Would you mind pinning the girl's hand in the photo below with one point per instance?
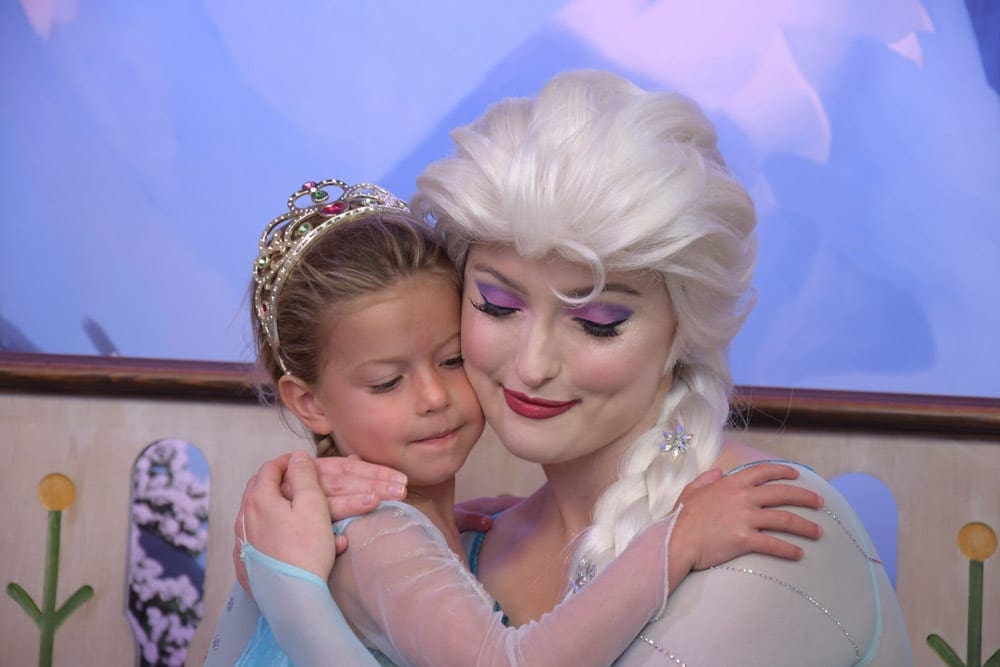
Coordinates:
(726, 516)
(284, 514)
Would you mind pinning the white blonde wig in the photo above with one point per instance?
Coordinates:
(621, 179)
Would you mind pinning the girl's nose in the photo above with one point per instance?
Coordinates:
(432, 393)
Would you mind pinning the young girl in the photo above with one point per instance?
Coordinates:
(356, 313)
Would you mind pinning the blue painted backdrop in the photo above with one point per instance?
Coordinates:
(146, 144)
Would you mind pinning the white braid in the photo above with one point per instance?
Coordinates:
(650, 481)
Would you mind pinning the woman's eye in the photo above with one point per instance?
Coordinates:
(496, 302)
(492, 309)
(385, 386)
(454, 362)
(600, 330)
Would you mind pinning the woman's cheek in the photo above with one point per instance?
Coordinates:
(605, 369)
(481, 343)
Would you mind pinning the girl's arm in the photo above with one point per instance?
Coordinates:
(835, 606)
(408, 595)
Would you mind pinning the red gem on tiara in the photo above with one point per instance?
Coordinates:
(309, 185)
(335, 208)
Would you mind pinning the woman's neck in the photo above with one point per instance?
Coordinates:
(573, 487)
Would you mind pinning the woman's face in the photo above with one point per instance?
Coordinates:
(558, 382)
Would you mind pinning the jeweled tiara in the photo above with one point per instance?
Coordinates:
(289, 236)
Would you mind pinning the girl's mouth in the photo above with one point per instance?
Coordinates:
(436, 438)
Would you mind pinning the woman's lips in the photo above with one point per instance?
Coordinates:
(535, 408)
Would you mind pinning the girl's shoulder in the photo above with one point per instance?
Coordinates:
(390, 515)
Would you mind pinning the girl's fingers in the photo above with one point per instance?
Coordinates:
(788, 522)
(770, 545)
(775, 495)
(303, 481)
(760, 473)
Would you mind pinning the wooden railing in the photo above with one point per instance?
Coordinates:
(757, 407)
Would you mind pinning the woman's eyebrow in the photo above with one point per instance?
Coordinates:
(608, 287)
(517, 287)
(575, 293)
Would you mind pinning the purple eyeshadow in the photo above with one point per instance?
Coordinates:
(499, 297)
(601, 313)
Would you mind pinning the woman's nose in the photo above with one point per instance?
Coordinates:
(538, 355)
(432, 392)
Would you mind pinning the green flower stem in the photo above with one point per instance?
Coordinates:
(975, 636)
(941, 647)
(82, 594)
(21, 597)
(49, 587)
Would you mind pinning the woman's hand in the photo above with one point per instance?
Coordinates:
(477, 513)
(354, 487)
(725, 517)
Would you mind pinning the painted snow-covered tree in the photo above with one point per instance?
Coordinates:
(169, 533)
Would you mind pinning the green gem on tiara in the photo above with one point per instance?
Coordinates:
(319, 195)
(303, 229)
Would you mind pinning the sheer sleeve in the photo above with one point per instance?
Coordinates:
(834, 607)
(302, 620)
(406, 593)
(234, 629)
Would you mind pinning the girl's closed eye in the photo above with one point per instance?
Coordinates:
(496, 302)
(385, 387)
(601, 320)
(456, 361)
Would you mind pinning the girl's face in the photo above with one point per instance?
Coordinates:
(392, 389)
(558, 382)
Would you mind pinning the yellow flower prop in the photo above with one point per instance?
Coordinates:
(56, 492)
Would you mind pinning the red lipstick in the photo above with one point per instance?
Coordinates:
(535, 408)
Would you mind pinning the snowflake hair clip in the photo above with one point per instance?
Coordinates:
(675, 442)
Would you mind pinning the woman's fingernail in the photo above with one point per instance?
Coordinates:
(397, 490)
(369, 499)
